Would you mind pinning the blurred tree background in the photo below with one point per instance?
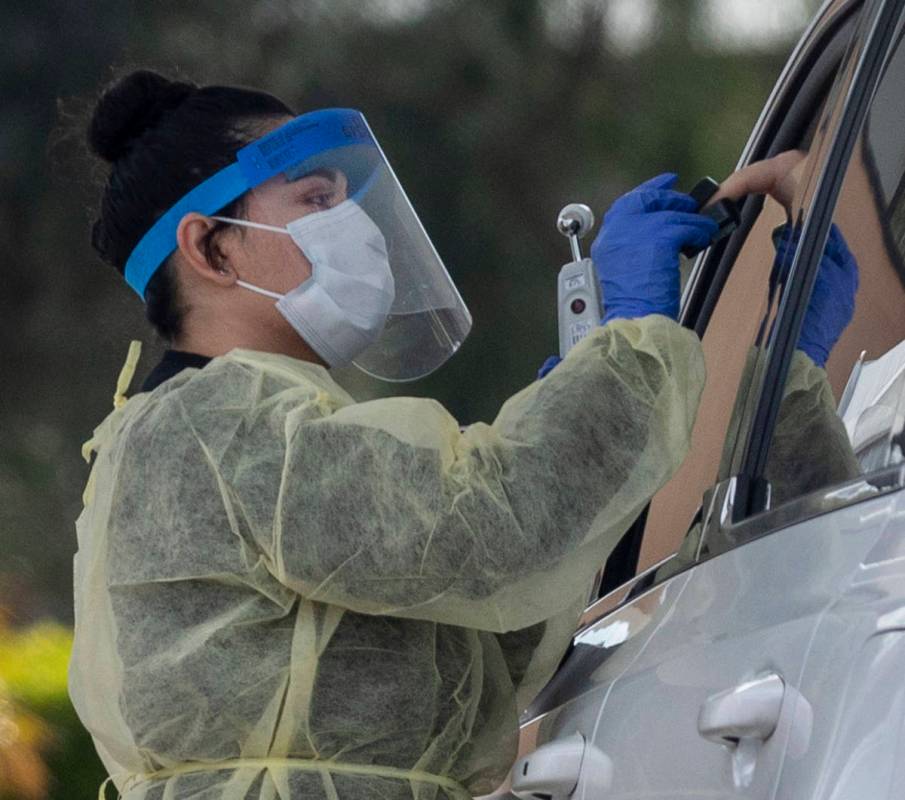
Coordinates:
(495, 113)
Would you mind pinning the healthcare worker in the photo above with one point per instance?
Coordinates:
(279, 592)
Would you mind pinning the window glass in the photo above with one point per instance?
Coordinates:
(844, 399)
(741, 308)
(733, 354)
(744, 310)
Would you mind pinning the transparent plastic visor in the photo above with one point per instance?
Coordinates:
(333, 156)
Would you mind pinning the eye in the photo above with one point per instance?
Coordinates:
(317, 201)
(322, 200)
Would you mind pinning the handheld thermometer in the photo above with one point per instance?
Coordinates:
(578, 291)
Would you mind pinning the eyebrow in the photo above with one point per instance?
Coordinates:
(320, 172)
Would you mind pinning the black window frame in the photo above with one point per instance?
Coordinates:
(739, 506)
(809, 73)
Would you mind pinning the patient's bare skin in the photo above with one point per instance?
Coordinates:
(777, 176)
(810, 448)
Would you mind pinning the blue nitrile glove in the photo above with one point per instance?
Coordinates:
(832, 303)
(547, 366)
(636, 252)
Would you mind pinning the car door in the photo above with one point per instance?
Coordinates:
(692, 685)
(849, 528)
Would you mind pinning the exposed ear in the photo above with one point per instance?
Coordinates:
(192, 238)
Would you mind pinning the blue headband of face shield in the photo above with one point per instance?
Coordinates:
(277, 152)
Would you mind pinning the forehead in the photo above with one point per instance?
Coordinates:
(321, 178)
(332, 156)
(280, 200)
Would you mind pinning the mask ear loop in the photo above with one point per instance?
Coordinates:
(261, 226)
(248, 224)
(258, 290)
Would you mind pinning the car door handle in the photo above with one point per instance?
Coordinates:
(550, 772)
(554, 770)
(749, 711)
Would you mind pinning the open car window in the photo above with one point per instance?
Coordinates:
(729, 295)
(838, 424)
(738, 312)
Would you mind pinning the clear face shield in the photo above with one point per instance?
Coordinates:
(379, 293)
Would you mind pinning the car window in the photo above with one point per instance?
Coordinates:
(729, 296)
(738, 308)
(844, 418)
(731, 343)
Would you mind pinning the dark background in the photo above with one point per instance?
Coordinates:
(494, 113)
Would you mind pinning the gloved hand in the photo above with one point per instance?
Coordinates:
(832, 303)
(636, 252)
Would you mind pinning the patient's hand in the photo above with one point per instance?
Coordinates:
(778, 177)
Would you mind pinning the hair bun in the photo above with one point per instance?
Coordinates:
(129, 107)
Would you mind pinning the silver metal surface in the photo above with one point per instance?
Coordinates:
(550, 771)
(721, 533)
(612, 600)
(575, 221)
(747, 711)
(773, 607)
(742, 719)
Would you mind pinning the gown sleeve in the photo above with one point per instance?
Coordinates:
(387, 507)
(810, 447)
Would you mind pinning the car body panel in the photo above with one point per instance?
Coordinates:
(663, 654)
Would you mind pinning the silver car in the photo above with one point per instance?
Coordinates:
(760, 650)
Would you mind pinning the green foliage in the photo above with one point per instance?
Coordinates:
(33, 663)
(46, 751)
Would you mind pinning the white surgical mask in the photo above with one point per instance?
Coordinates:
(342, 308)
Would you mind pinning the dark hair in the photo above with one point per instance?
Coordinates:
(162, 138)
